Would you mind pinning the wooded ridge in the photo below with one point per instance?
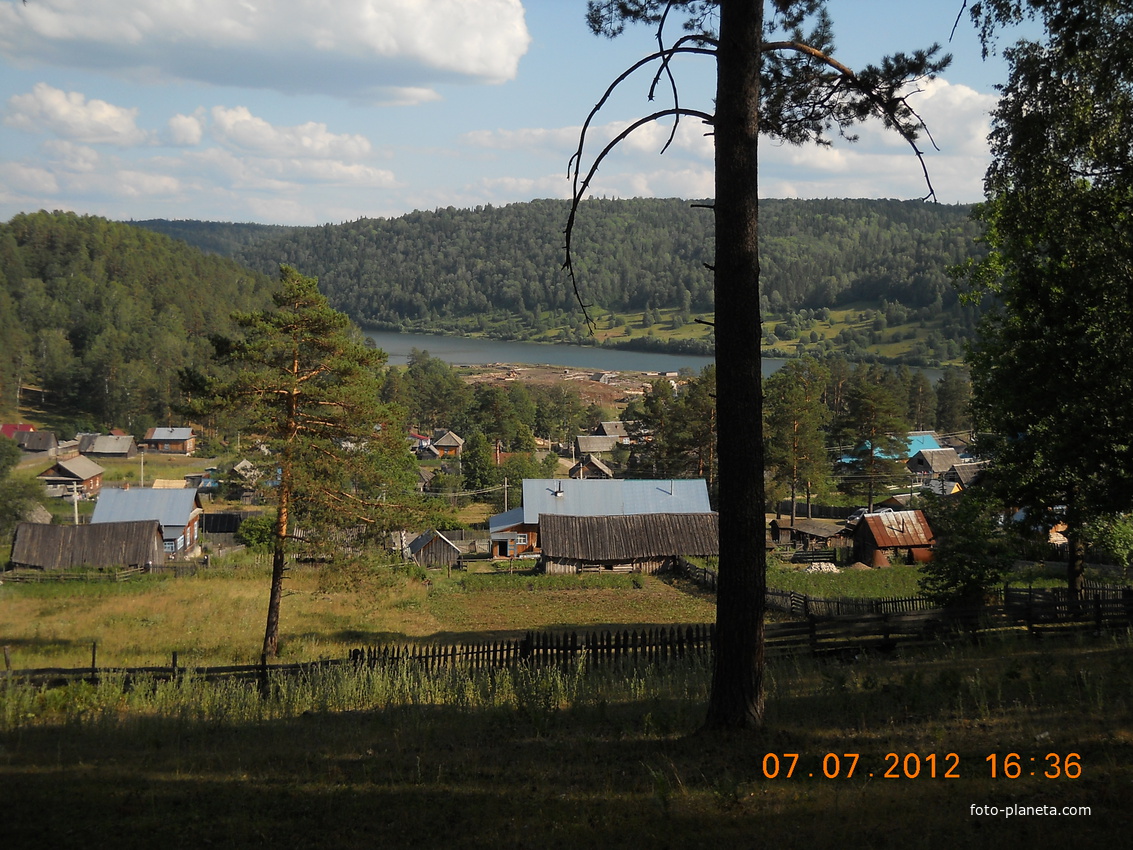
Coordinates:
(492, 265)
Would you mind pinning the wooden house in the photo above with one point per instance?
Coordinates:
(591, 444)
(177, 511)
(932, 462)
(42, 443)
(966, 474)
(516, 533)
(447, 444)
(893, 537)
(76, 474)
(10, 430)
(590, 467)
(105, 546)
(640, 543)
(433, 549)
(614, 428)
(175, 441)
(108, 445)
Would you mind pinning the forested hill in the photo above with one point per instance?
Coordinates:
(429, 268)
(100, 316)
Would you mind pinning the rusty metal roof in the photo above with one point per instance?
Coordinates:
(897, 529)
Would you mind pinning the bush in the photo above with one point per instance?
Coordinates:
(257, 532)
(972, 553)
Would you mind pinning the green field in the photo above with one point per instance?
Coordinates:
(574, 756)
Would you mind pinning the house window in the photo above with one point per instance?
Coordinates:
(521, 540)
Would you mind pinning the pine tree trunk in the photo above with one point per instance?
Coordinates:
(271, 632)
(736, 701)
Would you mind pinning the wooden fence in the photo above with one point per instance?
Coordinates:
(33, 576)
(844, 634)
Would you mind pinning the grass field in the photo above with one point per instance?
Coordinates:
(217, 616)
(565, 757)
(581, 757)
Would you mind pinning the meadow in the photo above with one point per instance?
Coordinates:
(874, 751)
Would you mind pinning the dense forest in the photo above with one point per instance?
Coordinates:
(100, 318)
(431, 269)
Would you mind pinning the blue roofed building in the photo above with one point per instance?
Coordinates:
(178, 512)
(515, 533)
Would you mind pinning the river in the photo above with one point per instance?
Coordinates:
(466, 351)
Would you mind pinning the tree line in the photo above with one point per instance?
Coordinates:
(503, 264)
(829, 426)
(99, 318)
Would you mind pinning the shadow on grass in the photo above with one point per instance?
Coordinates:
(441, 777)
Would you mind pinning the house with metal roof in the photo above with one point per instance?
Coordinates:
(893, 537)
(177, 441)
(178, 511)
(515, 533)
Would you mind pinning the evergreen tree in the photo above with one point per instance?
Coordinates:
(304, 383)
(796, 442)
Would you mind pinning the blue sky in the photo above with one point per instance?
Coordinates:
(311, 111)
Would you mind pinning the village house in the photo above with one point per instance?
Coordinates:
(104, 546)
(590, 467)
(177, 441)
(178, 512)
(641, 543)
(10, 430)
(40, 443)
(74, 475)
(107, 445)
(447, 444)
(893, 537)
(932, 462)
(515, 533)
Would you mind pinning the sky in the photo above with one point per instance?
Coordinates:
(306, 112)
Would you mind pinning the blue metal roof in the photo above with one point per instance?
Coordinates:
(172, 508)
(612, 497)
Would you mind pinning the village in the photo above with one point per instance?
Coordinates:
(587, 519)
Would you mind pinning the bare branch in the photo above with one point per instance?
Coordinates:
(581, 188)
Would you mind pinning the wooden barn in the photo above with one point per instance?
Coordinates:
(896, 537)
(808, 534)
(433, 549)
(640, 543)
(107, 545)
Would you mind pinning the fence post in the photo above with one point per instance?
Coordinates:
(263, 676)
(94, 660)
(174, 665)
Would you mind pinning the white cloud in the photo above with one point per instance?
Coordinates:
(185, 131)
(70, 115)
(72, 157)
(239, 128)
(350, 49)
(29, 180)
